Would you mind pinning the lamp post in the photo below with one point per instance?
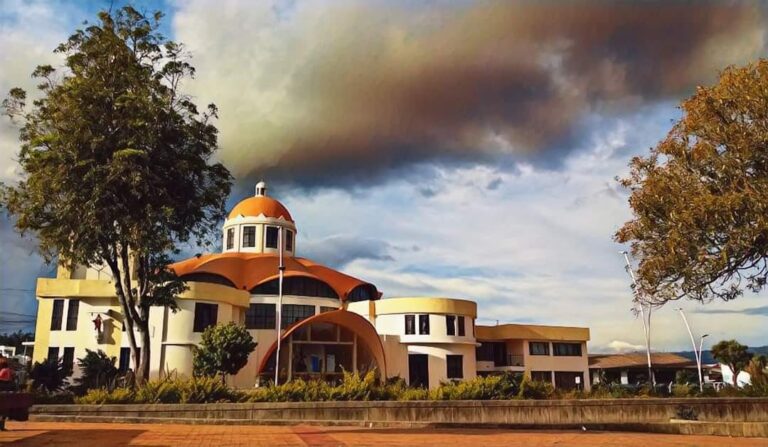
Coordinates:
(279, 313)
(646, 325)
(696, 353)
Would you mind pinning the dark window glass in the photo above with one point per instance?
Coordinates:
(205, 315)
(568, 380)
(541, 376)
(410, 324)
(249, 236)
(260, 316)
(363, 292)
(462, 329)
(57, 315)
(72, 311)
(324, 309)
(288, 240)
(538, 348)
(53, 353)
(424, 324)
(209, 278)
(271, 237)
(230, 238)
(297, 286)
(125, 359)
(450, 324)
(567, 349)
(68, 359)
(455, 364)
(293, 313)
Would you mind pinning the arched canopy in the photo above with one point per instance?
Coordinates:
(366, 335)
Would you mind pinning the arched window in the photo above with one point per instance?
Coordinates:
(298, 286)
(211, 278)
(363, 292)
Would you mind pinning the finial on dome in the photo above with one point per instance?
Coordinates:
(261, 188)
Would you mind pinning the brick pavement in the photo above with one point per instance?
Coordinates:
(156, 435)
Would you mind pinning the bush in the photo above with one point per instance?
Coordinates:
(480, 388)
(104, 396)
(534, 389)
(58, 398)
(684, 390)
(223, 350)
(163, 391)
(50, 375)
(354, 387)
(199, 390)
(97, 371)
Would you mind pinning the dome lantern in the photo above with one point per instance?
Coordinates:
(261, 189)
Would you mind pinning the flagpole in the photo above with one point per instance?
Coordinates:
(279, 313)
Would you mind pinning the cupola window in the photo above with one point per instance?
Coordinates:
(270, 237)
(288, 240)
(249, 236)
(230, 238)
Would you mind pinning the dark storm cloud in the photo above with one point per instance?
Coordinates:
(354, 94)
(340, 250)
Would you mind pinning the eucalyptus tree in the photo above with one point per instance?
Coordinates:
(117, 164)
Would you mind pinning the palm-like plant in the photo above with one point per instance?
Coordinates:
(49, 375)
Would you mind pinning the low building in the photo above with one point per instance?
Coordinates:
(330, 322)
(632, 368)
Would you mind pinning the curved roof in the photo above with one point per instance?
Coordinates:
(248, 270)
(363, 328)
(260, 205)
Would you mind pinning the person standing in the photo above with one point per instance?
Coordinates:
(6, 384)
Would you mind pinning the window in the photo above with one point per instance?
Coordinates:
(205, 315)
(424, 324)
(568, 380)
(57, 315)
(249, 236)
(270, 237)
(410, 324)
(74, 306)
(363, 292)
(125, 360)
(230, 238)
(462, 329)
(260, 316)
(53, 353)
(450, 324)
(455, 364)
(538, 348)
(288, 240)
(324, 309)
(293, 313)
(297, 286)
(567, 349)
(68, 359)
(541, 376)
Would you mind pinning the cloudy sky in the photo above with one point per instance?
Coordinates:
(465, 149)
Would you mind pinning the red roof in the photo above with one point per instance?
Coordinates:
(260, 205)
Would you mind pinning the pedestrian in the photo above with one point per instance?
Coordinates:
(6, 384)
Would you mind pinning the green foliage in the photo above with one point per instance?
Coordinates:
(494, 387)
(686, 376)
(733, 354)
(50, 375)
(684, 390)
(117, 163)
(171, 390)
(97, 370)
(199, 390)
(223, 350)
(534, 389)
(15, 339)
(700, 199)
(104, 396)
(354, 387)
(162, 391)
(56, 398)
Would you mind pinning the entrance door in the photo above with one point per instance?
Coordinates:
(418, 370)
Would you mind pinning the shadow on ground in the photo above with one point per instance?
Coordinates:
(65, 438)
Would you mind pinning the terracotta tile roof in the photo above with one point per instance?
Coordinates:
(260, 205)
(637, 359)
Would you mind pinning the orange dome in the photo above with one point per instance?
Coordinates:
(258, 205)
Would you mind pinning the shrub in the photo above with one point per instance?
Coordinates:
(97, 370)
(199, 390)
(163, 391)
(223, 350)
(49, 375)
(354, 387)
(57, 398)
(684, 390)
(414, 394)
(104, 396)
(534, 389)
(480, 388)
(685, 376)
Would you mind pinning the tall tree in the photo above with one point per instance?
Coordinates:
(223, 350)
(700, 199)
(732, 354)
(116, 163)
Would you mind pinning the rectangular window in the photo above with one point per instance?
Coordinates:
(538, 348)
(462, 329)
(567, 349)
(205, 315)
(68, 359)
(125, 360)
(260, 316)
(450, 324)
(324, 309)
(270, 237)
(424, 324)
(57, 315)
(293, 313)
(288, 240)
(455, 365)
(72, 311)
(53, 353)
(541, 376)
(249, 236)
(566, 380)
(410, 324)
(230, 238)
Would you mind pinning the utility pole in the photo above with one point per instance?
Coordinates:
(646, 325)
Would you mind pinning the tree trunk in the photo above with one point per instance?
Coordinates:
(143, 370)
(735, 377)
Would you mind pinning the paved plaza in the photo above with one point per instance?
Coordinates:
(156, 435)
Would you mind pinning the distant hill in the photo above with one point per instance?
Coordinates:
(706, 356)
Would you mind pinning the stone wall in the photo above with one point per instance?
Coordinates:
(736, 417)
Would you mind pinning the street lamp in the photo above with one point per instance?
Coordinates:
(646, 325)
(696, 353)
